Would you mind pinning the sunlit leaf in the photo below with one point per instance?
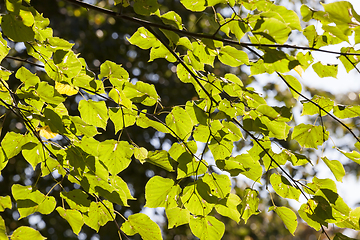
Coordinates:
(5, 202)
(309, 136)
(207, 227)
(30, 200)
(177, 216)
(73, 217)
(142, 224)
(94, 113)
(287, 216)
(336, 168)
(249, 205)
(24, 232)
(283, 187)
(161, 192)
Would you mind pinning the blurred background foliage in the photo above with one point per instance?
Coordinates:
(97, 38)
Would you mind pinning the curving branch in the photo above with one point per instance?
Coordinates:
(146, 23)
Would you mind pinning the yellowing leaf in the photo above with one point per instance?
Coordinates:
(299, 70)
(66, 89)
(46, 132)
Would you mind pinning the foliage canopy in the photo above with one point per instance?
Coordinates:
(205, 132)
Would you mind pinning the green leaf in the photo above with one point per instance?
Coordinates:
(283, 187)
(173, 19)
(238, 28)
(295, 84)
(146, 7)
(111, 70)
(342, 111)
(177, 216)
(12, 143)
(228, 207)
(207, 228)
(86, 82)
(339, 12)
(79, 127)
(140, 153)
(309, 136)
(5, 202)
(94, 113)
(161, 159)
(161, 52)
(194, 202)
(120, 186)
(183, 74)
(144, 122)
(196, 6)
(116, 155)
(249, 205)
(24, 232)
(161, 192)
(354, 155)
(220, 185)
(29, 201)
(4, 49)
(196, 114)
(48, 94)
(141, 92)
(188, 165)
(336, 168)
(142, 224)
(16, 27)
(287, 216)
(338, 32)
(179, 121)
(3, 234)
(34, 153)
(286, 16)
(317, 184)
(144, 39)
(306, 13)
(242, 164)
(67, 65)
(3, 159)
(306, 212)
(77, 200)
(325, 70)
(271, 30)
(204, 53)
(233, 57)
(99, 214)
(309, 108)
(73, 217)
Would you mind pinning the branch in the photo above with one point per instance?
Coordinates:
(199, 35)
(311, 101)
(24, 60)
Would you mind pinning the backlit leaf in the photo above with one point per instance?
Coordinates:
(177, 216)
(24, 232)
(5, 202)
(73, 217)
(287, 216)
(283, 187)
(207, 227)
(309, 136)
(30, 200)
(336, 168)
(94, 113)
(142, 224)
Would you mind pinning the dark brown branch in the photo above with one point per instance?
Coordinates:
(24, 60)
(200, 35)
